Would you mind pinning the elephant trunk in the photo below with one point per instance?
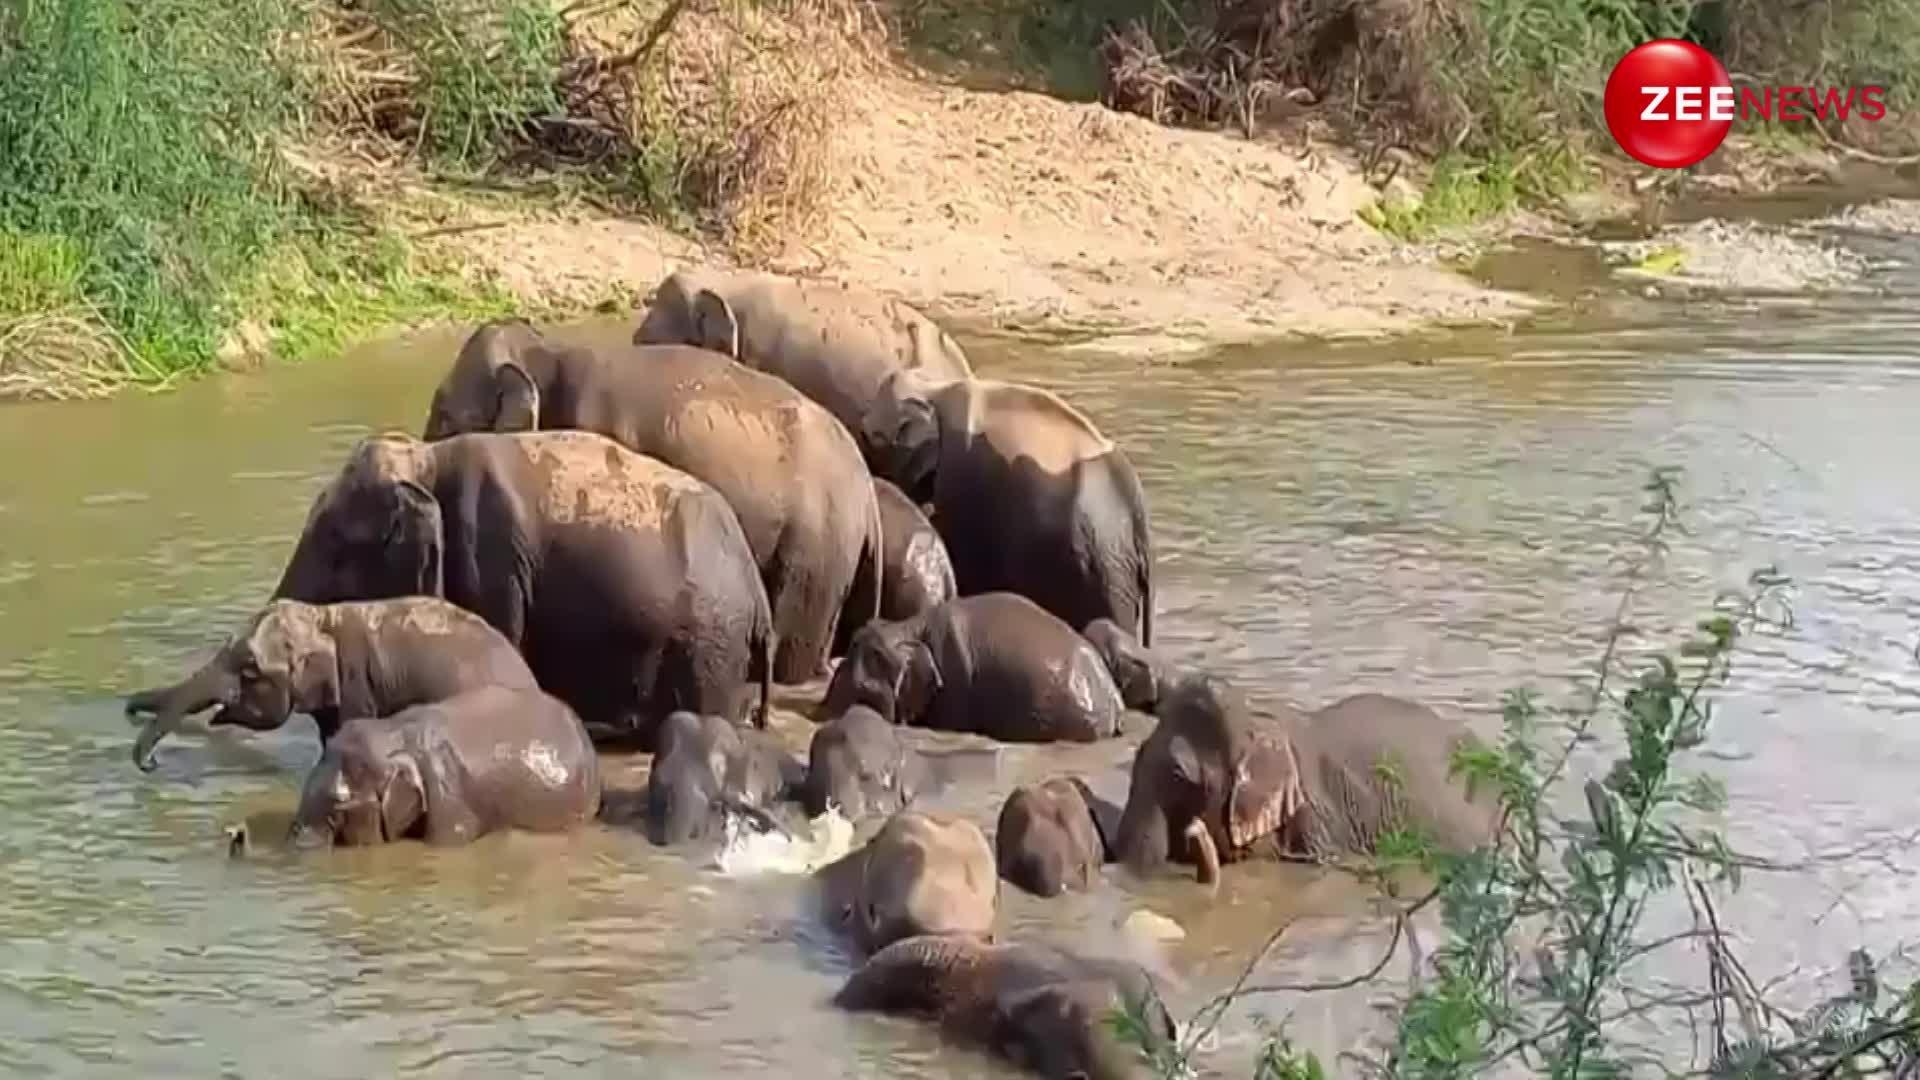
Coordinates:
(1206, 857)
(211, 685)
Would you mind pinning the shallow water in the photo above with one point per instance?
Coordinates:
(1439, 518)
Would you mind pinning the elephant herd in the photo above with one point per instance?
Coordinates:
(781, 480)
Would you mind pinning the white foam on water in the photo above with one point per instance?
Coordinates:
(746, 851)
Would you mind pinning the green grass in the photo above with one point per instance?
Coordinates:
(1464, 190)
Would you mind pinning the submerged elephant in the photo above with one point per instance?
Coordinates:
(1043, 1008)
(1054, 836)
(451, 772)
(791, 472)
(626, 583)
(1216, 783)
(1140, 673)
(995, 664)
(919, 874)
(833, 343)
(1028, 495)
(335, 662)
(860, 763)
(704, 767)
(918, 574)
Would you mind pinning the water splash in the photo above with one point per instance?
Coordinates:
(746, 850)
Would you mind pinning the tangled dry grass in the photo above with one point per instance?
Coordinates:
(63, 356)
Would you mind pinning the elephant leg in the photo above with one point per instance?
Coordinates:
(804, 615)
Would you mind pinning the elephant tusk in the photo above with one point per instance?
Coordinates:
(1206, 857)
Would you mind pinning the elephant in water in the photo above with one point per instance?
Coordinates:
(860, 763)
(703, 767)
(918, 574)
(336, 662)
(452, 771)
(1045, 1009)
(1140, 673)
(1053, 836)
(792, 473)
(833, 343)
(626, 583)
(1216, 783)
(1028, 495)
(920, 874)
(995, 664)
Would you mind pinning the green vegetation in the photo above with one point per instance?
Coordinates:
(1543, 966)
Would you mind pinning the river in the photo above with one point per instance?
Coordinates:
(1441, 518)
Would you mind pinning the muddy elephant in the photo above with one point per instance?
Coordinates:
(1217, 783)
(334, 662)
(833, 343)
(919, 874)
(792, 474)
(452, 771)
(1043, 1008)
(1054, 836)
(859, 763)
(626, 583)
(704, 768)
(995, 664)
(917, 574)
(1139, 672)
(1027, 494)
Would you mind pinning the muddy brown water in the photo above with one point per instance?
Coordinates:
(1438, 518)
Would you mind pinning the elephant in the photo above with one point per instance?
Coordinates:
(1231, 785)
(1054, 836)
(703, 767)
(1043, 1008)
(832, 342)
(335, 662)
(1027, 494)
(792, 474)
(919, 874)
(859, 763)
(995, 664)
(918, 575)
(626, 584)
(1139, 672)
(451, 771)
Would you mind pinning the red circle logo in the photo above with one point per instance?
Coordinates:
(1669, 103)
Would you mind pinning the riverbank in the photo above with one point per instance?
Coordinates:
(559, 160)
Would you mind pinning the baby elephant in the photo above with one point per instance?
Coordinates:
(920, 874)
(704, 767)
(859, 763)
(336, 662)
(995, 664)
(916, 574)
(1138, 671)
(1043, 1008)
(1053, 836)
(452, 771)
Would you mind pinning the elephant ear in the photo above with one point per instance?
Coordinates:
(403, 797)
(916, 683)
(516, 405)
(417, 533)
(714, 325)
(1265, 791)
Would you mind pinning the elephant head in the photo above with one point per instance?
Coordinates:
(1210, 781)
(1139, 674)
(365, 789)
(283, 661)
(900, 433)
(688, 309)
(1052, 836)
(1048, 1010)
(920, 874)
(374, 532)
(859, 764)
(888, 669)
(493, 385)
(704, 767)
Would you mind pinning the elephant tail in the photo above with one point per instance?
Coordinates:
(760, 669)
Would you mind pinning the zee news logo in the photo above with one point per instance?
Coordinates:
(1671, 103)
